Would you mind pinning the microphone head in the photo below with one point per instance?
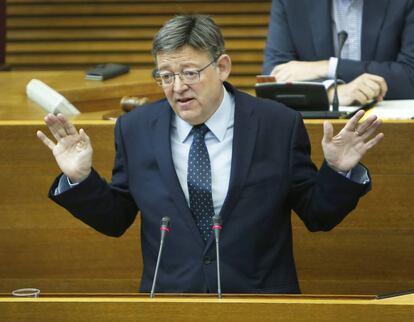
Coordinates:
(217, 221)
(165, 223)
(342, 36)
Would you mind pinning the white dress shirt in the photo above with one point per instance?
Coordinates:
(219, 142)
(346, 15)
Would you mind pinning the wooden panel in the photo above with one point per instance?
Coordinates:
(370, 252)
(110, 33)
(80, 34)
(134, 8)
(395, 154)
(15, 23)
(2, 33)
(138, 59)
(368, 260)
(44, 245)
(108, 46)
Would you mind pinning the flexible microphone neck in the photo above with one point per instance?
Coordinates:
(165, 228)
(342, 36)
(217, 226)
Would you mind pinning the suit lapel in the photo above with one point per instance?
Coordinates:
(320, 22)
(162, 148)
(372, 19)
(244, 137)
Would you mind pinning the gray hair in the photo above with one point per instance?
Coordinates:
(197, 31)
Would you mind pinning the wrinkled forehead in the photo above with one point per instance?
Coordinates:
(182, 56)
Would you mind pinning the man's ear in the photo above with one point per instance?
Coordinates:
(224, 66)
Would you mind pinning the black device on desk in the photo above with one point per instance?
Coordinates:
(106, 71)
(310, 99)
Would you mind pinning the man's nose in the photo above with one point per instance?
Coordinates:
(179, 84)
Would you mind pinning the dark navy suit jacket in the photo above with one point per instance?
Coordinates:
(271, 174)
(301, 30)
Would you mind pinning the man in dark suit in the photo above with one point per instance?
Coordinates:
(378, 57)
(250, 164)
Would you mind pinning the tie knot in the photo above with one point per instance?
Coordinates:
(199, 130)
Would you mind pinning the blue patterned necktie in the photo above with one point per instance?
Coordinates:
(199, 182)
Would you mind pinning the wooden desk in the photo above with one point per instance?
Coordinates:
(87, 95)
(178, 308)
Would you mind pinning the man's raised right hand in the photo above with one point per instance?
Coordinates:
(72, 150)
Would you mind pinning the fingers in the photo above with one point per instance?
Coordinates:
(59, 126)
(384, 89)
(369, 90)
(371, 143)
(290, 71)
(69, 128)
(367, 129)
(365, 134)
(368, 126)
(281, 73)
(380, 84)
(55, 126)
(352, 124)
(372, 86)
(361, 97)
(327, 132)
(84, 136)
(350, 93)
(46, 141)
(363, 89)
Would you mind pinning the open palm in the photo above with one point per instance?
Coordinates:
(72, 150)
(343, 151)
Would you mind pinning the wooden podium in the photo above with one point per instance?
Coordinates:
(205, 308)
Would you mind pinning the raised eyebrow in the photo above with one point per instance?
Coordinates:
(182, 71)
(161, 73)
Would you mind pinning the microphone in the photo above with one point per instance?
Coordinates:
(165, 228)
(342, 36)
(217, 225)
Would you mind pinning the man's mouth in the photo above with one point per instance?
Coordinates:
(184, 99)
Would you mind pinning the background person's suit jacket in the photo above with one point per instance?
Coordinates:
(302, 30)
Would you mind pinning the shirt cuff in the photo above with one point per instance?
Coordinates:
(328, 83)
(333, 63)
(64, 185)
(358, 174)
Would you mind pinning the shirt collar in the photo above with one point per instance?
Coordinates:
(217, 123)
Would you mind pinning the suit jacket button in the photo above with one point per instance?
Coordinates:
(207, 260)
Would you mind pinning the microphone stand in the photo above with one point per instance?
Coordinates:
(165, 228)
(342, 36)
(217, 226)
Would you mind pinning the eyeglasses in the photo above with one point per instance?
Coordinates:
(188, 77)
